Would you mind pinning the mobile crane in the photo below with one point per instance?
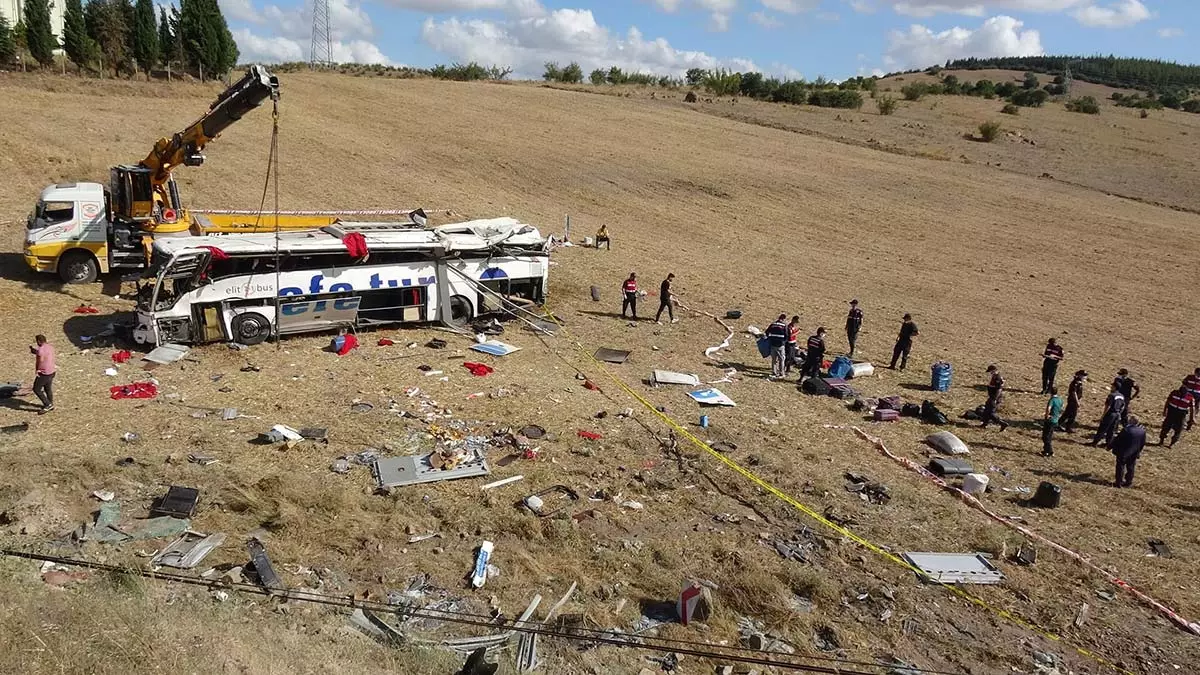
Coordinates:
(81, 230)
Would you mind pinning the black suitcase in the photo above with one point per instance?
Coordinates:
(815, 386)
(948, 466)
(1048, 495)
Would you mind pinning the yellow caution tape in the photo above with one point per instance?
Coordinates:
(806, 510)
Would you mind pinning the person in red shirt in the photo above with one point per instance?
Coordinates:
(1179, 407)
(44, 369)
(793, 345)
(630, 291)
(1192, 382)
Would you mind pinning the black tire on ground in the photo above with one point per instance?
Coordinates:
(461, 311)
(78, 267)
(250, 328)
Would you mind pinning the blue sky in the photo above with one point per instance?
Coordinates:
(792, 38)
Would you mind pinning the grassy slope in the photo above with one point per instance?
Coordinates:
(749, 216)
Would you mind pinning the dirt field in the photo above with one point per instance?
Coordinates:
(749, 215)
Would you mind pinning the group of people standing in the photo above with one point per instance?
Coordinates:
(784, 340)
(1120, 431)
(666, 298)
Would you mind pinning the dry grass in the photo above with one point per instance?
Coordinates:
(990, 261)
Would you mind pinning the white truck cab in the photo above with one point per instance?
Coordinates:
(68, 231)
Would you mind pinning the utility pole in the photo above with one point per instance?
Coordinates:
(321, 52)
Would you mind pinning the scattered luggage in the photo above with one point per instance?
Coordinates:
(886, 415)
(910, 410)
(931, 415)
(947, 443)
(949, 466)
(861, 369)
(1048, 495)
(841, 367)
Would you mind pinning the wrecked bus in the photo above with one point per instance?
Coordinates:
(246, 288)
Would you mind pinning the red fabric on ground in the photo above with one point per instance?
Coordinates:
(134, 390)
(385, 342)
(590, 435)
(86, 309)
(349, 343)
(478, 369)
(121, 356)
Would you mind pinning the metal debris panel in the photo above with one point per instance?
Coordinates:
(169, 353)
(414, 469)
(669, 377)
(611, 355)
(954, 568)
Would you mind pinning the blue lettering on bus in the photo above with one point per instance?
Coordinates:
(316, 285)
(319, 306)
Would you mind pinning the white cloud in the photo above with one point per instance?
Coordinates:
(239, 10)
(291, 33)
(563, 35)
(862, 6)
(718, 22)
(257, 48)
(925, 8)
(791, 6)
(1168, 33)
(516, 7)
(1115, 15)
(765, 20)
(919, 47)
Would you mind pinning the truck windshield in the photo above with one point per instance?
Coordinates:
(52, 213)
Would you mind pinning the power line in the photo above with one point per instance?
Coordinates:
(777, 659)
(321, 52)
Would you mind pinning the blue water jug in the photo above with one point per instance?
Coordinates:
(764, 346)
(940, 376)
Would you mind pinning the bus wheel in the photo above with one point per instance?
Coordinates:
(461, 311)
(250, 328)
(78, 267)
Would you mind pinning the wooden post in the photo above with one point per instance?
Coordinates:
(567, 229)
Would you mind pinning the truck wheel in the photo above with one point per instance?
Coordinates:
(78, 267)
(461, 312)
(250, 328)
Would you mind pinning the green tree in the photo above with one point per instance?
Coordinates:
(598, 76)
(208, 45)
(695, 76)
(176, 53)
(79, 47)
(106, 27)
(39, 38)
(552, 73)
(166, 41)
(616, 76)
(985, 88)
(572, 73)
(1030, 81)
(8, 44)
(144, 35)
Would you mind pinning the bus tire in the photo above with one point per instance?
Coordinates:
(461, 311)
(250, 328)
(78, 267)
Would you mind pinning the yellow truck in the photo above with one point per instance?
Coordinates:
(81, 230)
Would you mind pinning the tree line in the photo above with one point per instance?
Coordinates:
(721, 82)
(1128, 73)
(122, 36)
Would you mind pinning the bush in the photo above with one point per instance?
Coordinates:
(790, 92)
(598, 76)
(1145, 113)
(984, 88)
(723, 83)
(1030, 81)
(1030, 98)
(1086, 105)
(1010, 109)
(886, 105)
(1006, 89)
(914, 91)
(1171, 100)
(1055, 89)
(836, 98)
(1192, 106)
(572, 74)
(988, 131)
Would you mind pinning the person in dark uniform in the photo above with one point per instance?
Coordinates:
(1128, 388)
(1114, 409)
(666, 300)
(853, 323)
(995, 390)
(1193, 386)
(814, 354)
(777, 335)
(1177, 410)
(1051, 357)
(908, 331)
(792, 357)
(629, 290)
(1127, 448)
(1074, 397)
